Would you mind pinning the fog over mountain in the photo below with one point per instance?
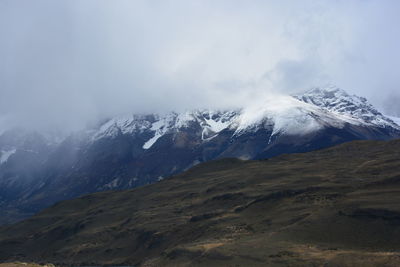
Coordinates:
(65, 64)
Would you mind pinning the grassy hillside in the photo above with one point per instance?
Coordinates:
(334, 207)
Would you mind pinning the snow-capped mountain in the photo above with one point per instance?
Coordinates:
(132, 150)
(211, 122)
(304, 113)
(338, 101)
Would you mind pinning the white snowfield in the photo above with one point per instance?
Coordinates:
(292, 115)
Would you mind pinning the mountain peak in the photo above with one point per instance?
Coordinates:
(325, 92)
(338, 101)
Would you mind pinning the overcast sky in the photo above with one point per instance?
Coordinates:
(65, 63)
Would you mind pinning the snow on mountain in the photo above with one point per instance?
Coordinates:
(160, 127)
(284, 114)
(293, 115)
(5, 155)
(125, 124)
(395, 119)
(212, 122)
(340, 102)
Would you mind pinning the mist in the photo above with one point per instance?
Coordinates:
(65, 64)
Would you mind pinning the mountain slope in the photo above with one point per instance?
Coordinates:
(333, 207)
(134, 150)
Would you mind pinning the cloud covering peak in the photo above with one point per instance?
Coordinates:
(66, 63)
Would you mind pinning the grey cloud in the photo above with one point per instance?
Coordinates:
(66, 63)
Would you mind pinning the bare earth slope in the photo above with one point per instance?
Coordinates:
(334, 207)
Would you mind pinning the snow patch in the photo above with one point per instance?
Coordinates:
(214, 122)
(152, 140)
(112, 184)
(126, 124)
(283, 114)
(160, 127)
(5, 155)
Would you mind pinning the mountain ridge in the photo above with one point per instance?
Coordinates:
(134, 150)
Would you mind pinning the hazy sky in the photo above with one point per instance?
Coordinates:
(72, 61)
